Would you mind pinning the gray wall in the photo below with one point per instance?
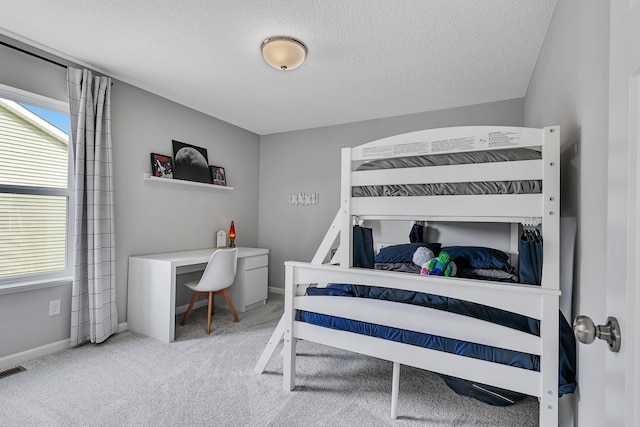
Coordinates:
(24, 316)
(308, 161)
(570, 88)
(157, 217)
(150, 217)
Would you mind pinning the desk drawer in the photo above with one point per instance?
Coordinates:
(256, 285)
(256, 262)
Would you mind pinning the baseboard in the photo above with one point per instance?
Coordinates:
(183, 308)
(16, 359)
(122, 327)
(276, 290)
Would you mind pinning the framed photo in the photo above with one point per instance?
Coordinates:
(218, 177)
(161, 166)
(190, 162)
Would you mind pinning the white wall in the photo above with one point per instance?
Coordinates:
(308, 161)
(569, 87)
(149, 217)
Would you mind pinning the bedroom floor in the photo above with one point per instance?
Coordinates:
(132, 380)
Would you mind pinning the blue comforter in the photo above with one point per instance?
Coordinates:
(566, 378)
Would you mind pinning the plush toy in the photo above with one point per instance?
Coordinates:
(440, 266)
(422, 255)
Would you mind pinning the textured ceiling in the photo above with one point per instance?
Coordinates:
(367, 58)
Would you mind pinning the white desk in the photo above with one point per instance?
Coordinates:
(151, 307)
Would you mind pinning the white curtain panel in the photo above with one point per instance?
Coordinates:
(94, 316)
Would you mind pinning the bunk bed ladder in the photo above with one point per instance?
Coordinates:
(278, 334)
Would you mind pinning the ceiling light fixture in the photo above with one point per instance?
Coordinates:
(283, 53)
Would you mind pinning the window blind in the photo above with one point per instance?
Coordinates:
(34, 194)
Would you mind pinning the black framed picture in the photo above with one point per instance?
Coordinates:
(190, 162)
(161, 166)
(218, 176)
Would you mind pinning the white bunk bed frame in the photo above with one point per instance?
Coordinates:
(539, 302)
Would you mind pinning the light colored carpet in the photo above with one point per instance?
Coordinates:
(132, 380)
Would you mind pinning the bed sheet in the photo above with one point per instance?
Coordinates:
(443, 189)
(491, 156)
(566, 374)
(448, 189)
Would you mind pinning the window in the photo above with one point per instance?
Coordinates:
(35, 188)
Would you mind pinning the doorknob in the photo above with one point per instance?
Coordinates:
(586, 331)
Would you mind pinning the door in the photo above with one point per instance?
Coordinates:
(622, 385)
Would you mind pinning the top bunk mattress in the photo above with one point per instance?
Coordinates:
(458, 188)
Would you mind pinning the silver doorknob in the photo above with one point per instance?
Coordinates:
(586, 331)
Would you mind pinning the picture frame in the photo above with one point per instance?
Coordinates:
(218, 175)
(190, 162)
(161, 166)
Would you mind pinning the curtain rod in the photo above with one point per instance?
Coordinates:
(33, 54)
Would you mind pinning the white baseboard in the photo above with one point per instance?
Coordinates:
(16, 359)
(183, 308)
(13, 360)
(122, 327)
(276, 290)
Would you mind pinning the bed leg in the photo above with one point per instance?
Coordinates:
(289, 365)
(395, 385)
(289, 368)
(549, 360)
(268, 351)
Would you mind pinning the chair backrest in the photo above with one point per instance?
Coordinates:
(220, 271)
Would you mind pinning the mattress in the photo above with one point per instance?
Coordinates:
(566, 374)
(459, 188)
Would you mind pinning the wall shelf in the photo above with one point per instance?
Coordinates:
(170, 181)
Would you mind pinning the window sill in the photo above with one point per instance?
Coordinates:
(34, 285)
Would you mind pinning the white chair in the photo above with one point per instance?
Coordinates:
(217, 277)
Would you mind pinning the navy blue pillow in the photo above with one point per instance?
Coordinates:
(479, 257)
(404, 252)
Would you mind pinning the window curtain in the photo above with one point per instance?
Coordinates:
(94, 316)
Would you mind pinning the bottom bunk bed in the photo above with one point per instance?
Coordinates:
(483, 392)
(491, 334)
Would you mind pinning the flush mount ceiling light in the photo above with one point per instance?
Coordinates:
(283, 53)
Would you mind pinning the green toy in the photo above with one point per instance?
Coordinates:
(440, 266)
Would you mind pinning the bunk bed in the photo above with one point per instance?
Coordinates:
(461, 174)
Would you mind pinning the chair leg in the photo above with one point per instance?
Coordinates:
(233, 309)
(209, 312)
(193, 301)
